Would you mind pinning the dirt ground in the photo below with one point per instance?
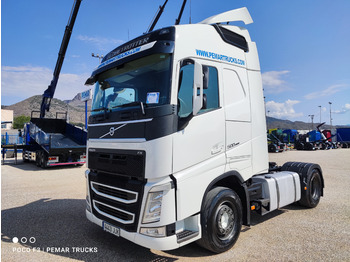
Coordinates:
(44, 210)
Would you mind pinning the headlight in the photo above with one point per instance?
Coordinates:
(153, 207)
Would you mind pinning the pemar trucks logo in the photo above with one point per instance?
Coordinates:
(219, 57)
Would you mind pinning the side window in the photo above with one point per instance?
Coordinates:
(211, 89)
(185, 93)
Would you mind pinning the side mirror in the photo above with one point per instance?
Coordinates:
(91, 80)
(205, 77)
(197, 88)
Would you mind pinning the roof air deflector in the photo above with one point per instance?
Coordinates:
(241, 14)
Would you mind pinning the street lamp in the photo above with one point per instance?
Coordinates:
(320, 113)
(97, 56)
(312, 121)
(330, 113)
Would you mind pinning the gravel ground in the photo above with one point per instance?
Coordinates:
(47, 208)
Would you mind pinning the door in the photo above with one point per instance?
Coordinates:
(201, 135)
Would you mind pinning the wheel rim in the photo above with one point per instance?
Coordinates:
(315, 185)
(225, 222)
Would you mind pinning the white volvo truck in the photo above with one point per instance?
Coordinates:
(177, 147)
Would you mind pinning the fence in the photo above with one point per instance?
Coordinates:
(7, 139)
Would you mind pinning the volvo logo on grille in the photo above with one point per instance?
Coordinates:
(112, 130)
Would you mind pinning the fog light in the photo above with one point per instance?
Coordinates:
(153, 231)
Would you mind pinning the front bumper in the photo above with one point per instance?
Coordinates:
(177, 233)
(162, 243)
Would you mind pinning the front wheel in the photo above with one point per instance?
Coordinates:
(221, 220)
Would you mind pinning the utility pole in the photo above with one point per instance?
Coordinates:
(330, 113)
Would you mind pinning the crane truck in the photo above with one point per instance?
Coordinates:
(54, 141)
(176, 148)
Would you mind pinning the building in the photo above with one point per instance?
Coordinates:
(6, 119)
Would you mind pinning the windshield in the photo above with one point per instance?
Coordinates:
(145, 80)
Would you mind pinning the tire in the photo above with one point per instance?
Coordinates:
(311, 182)
(309, 146)
(312, 195)
(272, 148)
(43, 160)
(299, 146)
(221, 220)
(38, 158)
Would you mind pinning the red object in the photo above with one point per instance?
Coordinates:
(328, 135)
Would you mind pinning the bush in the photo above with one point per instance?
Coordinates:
(19, 121)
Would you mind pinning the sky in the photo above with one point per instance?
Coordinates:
(303, 45)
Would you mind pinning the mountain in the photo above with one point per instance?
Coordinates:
(76, 112)
(287, 124)
(75, 102)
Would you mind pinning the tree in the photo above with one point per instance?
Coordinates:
(19, 121)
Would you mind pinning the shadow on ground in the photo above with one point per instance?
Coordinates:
(62, 224)
(30, 166)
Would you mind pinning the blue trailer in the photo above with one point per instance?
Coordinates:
(343, 136)
(54, 142)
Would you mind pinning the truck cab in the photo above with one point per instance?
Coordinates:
(176, 134)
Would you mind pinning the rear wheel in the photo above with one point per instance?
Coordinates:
(272, 148)
(43, 160)
(299, 146)
(221, 220)
(37, 158)
(313, 190)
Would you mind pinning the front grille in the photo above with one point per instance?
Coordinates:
(129, 163)
(114, 213)
(117, 194)
(116, 199)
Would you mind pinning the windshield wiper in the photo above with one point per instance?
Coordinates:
(99, 109)
(133, 104)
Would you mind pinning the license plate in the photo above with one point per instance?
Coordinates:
(111, 229)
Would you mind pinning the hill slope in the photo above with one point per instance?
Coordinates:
(287, 124)
(25, 107)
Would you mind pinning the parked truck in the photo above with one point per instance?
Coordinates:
(275, 137)
(176, 145)
(54, 142)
